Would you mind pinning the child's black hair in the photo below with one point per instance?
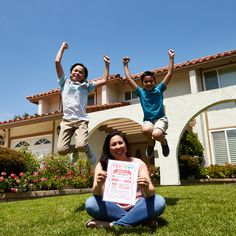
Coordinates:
(147, 73)
(80, 64)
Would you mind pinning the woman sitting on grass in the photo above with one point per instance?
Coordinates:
(109, 214)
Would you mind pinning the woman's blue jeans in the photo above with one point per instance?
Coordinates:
(143, 211)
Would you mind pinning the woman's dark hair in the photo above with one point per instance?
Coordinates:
(147, 73)
(106, 154)
(80, 64)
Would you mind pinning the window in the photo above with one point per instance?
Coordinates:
(211, 80)
(22, 144)
(91, 99)
(127, 96)
(42, 141)
(219, 78)
(1, 140)
(130, 95)
(224, 146)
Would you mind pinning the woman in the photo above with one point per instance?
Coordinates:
(108, 214)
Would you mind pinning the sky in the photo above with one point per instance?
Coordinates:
(32, 31)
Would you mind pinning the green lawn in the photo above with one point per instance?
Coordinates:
(192, 210)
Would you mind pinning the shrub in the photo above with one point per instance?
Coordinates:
(56, 172)
(154, 173)
(189, 166)
(190, 144)
(31, 161)
(60, 169)
(11, 161)
(55, 165)
(218, 171)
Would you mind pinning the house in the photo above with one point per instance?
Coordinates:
(201, 94)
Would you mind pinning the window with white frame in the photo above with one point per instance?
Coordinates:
(22, 144)
(220, 77)
(224, 146)
(42, 141)
(130, 95)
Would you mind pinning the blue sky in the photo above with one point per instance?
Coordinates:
(31, 32)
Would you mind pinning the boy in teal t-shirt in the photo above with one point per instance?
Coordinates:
(151, 99)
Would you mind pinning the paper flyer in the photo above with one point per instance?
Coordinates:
(121, 182)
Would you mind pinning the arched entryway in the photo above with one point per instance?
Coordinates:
(180, 111)
(130, 128)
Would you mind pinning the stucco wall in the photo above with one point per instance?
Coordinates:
(33, 129)
(114, 93)
(222, 118)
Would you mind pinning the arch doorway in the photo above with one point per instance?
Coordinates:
(130, 128)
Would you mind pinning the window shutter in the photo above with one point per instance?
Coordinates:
(220, 147)
(231, 134)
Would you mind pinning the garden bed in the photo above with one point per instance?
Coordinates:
(7, 197)
(207, 181)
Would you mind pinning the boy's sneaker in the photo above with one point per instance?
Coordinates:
(91, 156)
(150, 150)
(165, 149)
(74, 156)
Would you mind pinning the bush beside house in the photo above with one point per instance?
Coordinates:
(12, 161)
(52, 173)
(190, 156)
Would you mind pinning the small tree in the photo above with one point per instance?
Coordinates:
(190, 144)
(25, 115)
(190, 155)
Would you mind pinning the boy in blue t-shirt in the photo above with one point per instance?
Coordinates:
(74, 100)
(151, 99)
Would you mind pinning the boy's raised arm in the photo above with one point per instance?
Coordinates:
(105, 75)
(131, 82)
(59, 68)
(167, 78)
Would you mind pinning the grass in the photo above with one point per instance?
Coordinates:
(191, 210)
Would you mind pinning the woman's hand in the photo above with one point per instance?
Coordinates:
(146, 186)
(143, 182)
(101, 177)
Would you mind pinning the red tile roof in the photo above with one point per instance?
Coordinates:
(193, 62)
(35, 98)
(52, 115)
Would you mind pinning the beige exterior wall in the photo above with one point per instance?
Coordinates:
(222, 118)
(46, 127)
(49, 104)
(114, 92)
